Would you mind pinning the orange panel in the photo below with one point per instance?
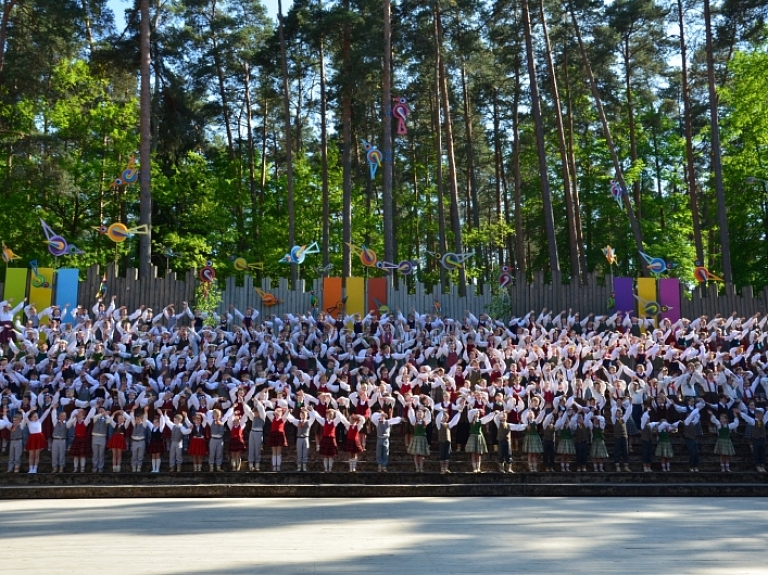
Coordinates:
(377, 294)
(332, 296)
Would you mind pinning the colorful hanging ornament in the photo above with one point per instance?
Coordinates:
(130, 175)
(702, 274)
(57, 245)
(119, 232)
(38, 280)
(400, 111)
(8, 255)
(373, 156)
(241, 264)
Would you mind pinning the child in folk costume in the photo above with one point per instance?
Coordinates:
(565, 447)
(383, 424)
(198, 446)
(15, 429)
(444, 427)
(79, 447)
(598, 452)
(258, 416)
(116, 443)
(353, 442)
(236, 443)
(757, 425)
(691, 430)
(476, 445)
(277, 439)
(216, 443)
(419, 446)
(504, 431)
(58, 439)
(724, 446)
(303, 425)
(156, 442)
(176, 446)
(664, 449)
(139, 436)
(100, 420)
(646, 439)
(328, 448)
(36, 441)
(532, 444)
(619, 418)
(581, 428)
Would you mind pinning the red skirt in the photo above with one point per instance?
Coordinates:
(277, 439)
(79, 447)
(117, 441)
(155, 447)
(328, 446)
(237, 444)
(36, 441)
(198, 446)
(352, 445)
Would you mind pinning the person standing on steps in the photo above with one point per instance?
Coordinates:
(383, 431)
(444, 427)
(620, 437)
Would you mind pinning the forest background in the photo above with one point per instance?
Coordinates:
(257, 129)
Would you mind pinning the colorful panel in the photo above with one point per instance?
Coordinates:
(67, 286)
(669, 298)
(356, 296)
(333, 302)
(377, 294)
(41, 289)
(647, 304)
(623, 292)
(15, 286)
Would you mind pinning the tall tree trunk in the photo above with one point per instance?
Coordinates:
(636, 191)
(386, 143)
(263, 166)
(145, 190)
(87, 24)
(346, 152)
(574, 248)
(518, 187)
(437, 129)
(636, 232)
(546, 196)
(690, 168)
(255, 212)
(452, 177)
(497, 163)
(471, 179)
(8, 5)
(288, 144)
(324, 157)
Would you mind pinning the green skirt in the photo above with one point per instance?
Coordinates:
(724, 447)
(476, 444)
(566, 447)
(419, 446)
(598, 450)
(664, 449)
(532, 443)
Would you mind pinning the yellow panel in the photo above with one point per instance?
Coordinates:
(646, 292)
(356, 296)
(41, 296)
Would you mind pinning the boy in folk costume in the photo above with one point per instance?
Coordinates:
(444, 427)
(620, 436)
(303, 425)
(504, 431)
(383, 430)
(176, 449)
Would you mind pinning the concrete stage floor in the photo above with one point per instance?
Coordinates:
(385, 536)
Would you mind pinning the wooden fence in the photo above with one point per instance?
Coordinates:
(162, 289)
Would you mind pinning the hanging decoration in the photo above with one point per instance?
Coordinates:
(405, 267)
(119, 232)
(610, 255)
(8, 255)
(651, 308)
(338, 308)
(322, 270)
(130, 175)
(618, 193)
(382, 308)
(451, 260)
(400, 111)
(102, 291)
(241, 264)
(298, 253)
(367, 255)
(505, 277)
(657, 266)
(702, 274)
(38, 280)
(267, 299)
(57, 245)
(373, 156)
(207, 275)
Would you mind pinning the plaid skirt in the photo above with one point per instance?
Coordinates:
(156, 447)
(598, 450)
(80, 447)
(352, 446)
(566, 447)
(532, 444)
(419, 446)
(328, 446)
(664, 449)
(475, 444)
(724, 447)
(198, 447)
(632, 427)
(277, 439)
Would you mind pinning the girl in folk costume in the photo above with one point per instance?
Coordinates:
(277, 439)
(325, 402)
(236, 443)
(598, 452)
(328, 447)
(476, 445)
(419, 446)
(36, 441)
(406, 402)
(664, 449)
(353, 443)
(117, 442)
(462, 426)
(303, 425)
(80, 445)
(724, 446)
(198, 447)
(362, 402)
(532, 441)
(565, 446)
(444, 425)
(156, 442)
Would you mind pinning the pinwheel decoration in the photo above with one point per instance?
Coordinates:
(38, 280)
(400, 111)
(241, 264)
(57, 245)
(267, 299)
(299, 253)
(405, 267)
(119, 232)
(651, 308)
(451, 260)
(657, 265)
(373, 156)
(367, 255)
(130, 175)
(702, 274)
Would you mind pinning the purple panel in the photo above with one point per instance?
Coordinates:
(669, 295)
(623, 289)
